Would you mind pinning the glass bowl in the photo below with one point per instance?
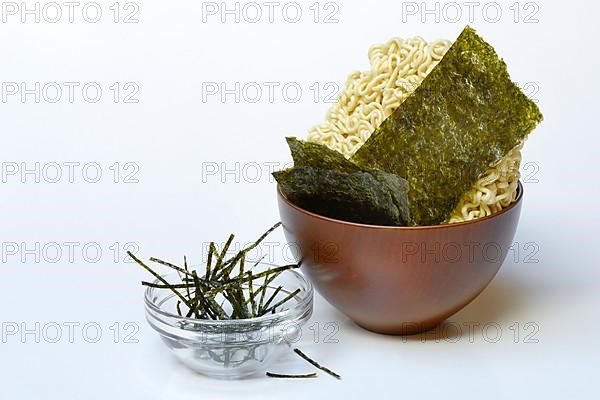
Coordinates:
(231, 349)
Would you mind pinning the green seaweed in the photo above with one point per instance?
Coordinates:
(398, 189)
(274, 375)
(239, 290)
(316, 364)
(307, 154)
(369, 197)
(464, 117)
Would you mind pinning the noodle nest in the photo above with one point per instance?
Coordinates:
(369, 97)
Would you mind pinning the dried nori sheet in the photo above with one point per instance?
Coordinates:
(463, 118)
(318, 159)
(368, 197)
(398, 189)
(307, 154)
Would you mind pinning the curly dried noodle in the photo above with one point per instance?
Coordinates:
(368, 97)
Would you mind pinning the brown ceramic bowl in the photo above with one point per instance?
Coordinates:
(399, 280)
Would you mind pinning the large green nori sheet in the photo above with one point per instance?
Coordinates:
(368, 197)
(464, 117)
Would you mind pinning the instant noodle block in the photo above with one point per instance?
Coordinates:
(464, 117)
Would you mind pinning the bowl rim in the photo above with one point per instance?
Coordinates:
(517, 200)
(300, 306)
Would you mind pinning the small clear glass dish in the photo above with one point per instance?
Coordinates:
(231, 349)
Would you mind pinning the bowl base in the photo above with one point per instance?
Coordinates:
(401, 330)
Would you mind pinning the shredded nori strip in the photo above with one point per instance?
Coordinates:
(464, 117)
(316, 364)
(274, 375)
(368, 197)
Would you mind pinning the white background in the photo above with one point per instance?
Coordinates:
(173, 137)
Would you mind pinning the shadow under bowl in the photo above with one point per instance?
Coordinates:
(399, 280)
